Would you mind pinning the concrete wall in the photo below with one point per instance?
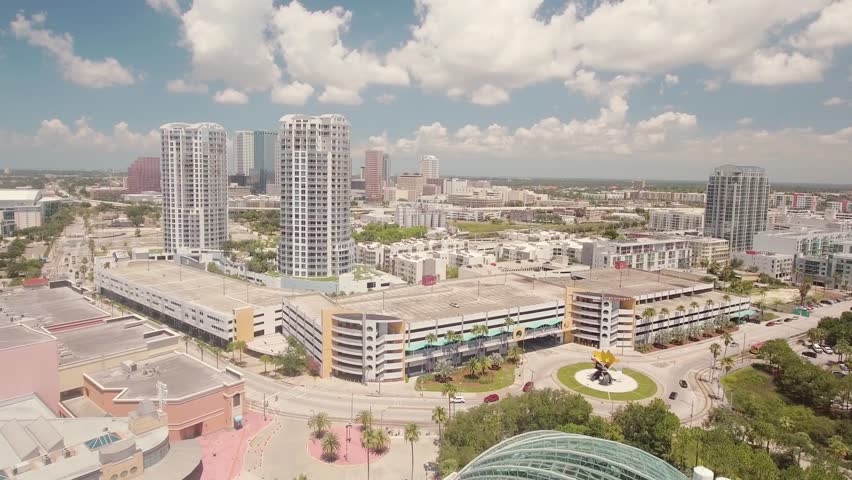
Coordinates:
(31, 369)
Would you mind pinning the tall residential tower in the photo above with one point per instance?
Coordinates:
(429, 166)
(315, 166)
(194, 175)
(737, 202)
(375, 175)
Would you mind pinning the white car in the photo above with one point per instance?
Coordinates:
(457, 399)
(828, 350)
(815, 347)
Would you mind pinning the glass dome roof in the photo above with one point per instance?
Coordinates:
(549, 455)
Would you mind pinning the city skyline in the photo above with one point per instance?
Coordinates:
(779, 97)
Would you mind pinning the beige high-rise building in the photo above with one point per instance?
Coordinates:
(429, 166)
(315, 166)
(374, 174)
(194, 172)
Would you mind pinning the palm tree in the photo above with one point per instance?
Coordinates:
(411, 435)
(664, 312)
(374, 440)
(319, 423)
(714, 350)
(473, 366)
(508, 324)
(265, 359)
(727, 339)
(439, 416)
(240, 345)
(479, 331)
(301, 476)
(841, 348)
(450, 390)
(693, 305)
(514, 354)
(330, 446)
(218, 353)
(728, 364)
(709, 303)
(365, 418)
(231, 347)
(200, 348)
(726, 298)
(431, 339)
(649, 313)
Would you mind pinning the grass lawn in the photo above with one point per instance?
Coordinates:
(493, 380)
(646, 388)
(488, 227)
(748, 380)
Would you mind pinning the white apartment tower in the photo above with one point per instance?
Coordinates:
(429, 166)
(315, 169)
(194, 174)
(737, 202)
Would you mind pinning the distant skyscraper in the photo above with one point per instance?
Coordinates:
(737, 202)
(374, 174)
(255, 158)
(195, 186)
(315, 165)
(429, 166)
(143, 175)
(386, 165)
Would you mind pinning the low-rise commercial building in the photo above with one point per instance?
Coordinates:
(646, 253)
(30, 365)
(197, 398)
(23, 208)
(774, 265)
(676, 219)
(708, 250)
(422, 267)
(800, 241)
(607, 308)
(420, 216)
(387, 335)
(214, 307)
(833, 270)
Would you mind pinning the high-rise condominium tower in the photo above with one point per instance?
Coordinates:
(143, 175)
(315, 165)
(194, 175)
(737, 202)
(374, 174)
(255, 157)
(429, 166)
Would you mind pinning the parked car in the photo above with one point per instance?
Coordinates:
(839, 374)
(771, 324)
(809, 353)
(528, 386)
(734, 344)
(683, 384)
(816, 348)
(788, 319)
(673, 396)
(828, 350)
(844, 368)
(457, 399)
(826, 302)
(491, 398)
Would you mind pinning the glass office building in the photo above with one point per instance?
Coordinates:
(548, 455)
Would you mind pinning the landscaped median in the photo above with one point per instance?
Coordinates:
(646, 387)
(466, 383)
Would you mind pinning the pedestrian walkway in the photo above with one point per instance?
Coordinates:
(223, 453)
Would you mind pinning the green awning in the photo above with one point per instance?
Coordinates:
(744, 313)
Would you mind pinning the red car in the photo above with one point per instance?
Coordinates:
(491, 398)
(527, 387)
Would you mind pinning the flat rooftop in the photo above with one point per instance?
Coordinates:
(211, 290)
(47, 307)
(627, 282)
(21, 335)
(106, 339)
(455, 298)
(183, 375)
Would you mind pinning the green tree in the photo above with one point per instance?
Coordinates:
(439, 416)
(649, 427)
(365, 418)
(239, 346)
(412, 435)
(804, 289)
(838, 447)
(319, 423)
(443, 371)
(449, 390)
(715, 349)
(515, 354)
(330, 446)
(817, 335)
(375, 440)
(266, 359)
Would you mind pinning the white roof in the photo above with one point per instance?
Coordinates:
(19, 195)
(191, 126)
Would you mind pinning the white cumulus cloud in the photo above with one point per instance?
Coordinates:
(182, 86)
(230, 96)
(107, 72)
(296, 93)
(165, 6)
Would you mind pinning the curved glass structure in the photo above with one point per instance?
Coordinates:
(548, 455)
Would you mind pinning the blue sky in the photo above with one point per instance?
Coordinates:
(639, 88)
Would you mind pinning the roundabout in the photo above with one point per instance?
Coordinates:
(626, 385)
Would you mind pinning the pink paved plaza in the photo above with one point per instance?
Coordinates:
(224, 452)
(357, 454)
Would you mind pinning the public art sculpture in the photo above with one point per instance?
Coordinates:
(603, 362)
